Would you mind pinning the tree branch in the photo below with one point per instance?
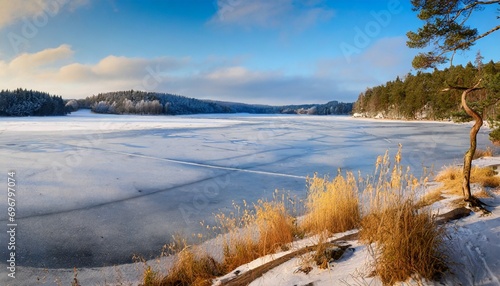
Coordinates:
(455, 87)
(452, 57)
(486, 33)
(471, 6)
(461, 45)
(476, 3)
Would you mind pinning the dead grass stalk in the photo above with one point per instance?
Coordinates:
(332, 206)
(406, 240)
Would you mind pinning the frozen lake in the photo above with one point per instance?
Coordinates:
(92, 190)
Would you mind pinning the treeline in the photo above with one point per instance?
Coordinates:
(23, 102)
(421, 95)
(139, 102)
(330, 108)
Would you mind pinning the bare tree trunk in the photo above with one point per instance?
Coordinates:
(473, 144)
(468, 197)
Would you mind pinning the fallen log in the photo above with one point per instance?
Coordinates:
(249, 276)
(454, 214)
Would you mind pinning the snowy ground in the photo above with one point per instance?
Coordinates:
(473, 247)
(92, 190)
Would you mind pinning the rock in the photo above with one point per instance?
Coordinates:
(336, 252)
(333, 252)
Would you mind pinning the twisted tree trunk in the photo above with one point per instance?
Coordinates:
(473, 202)
(473, 144)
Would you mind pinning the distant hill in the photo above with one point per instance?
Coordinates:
(140, 102)
(23, 102)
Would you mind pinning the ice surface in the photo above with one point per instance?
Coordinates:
(92, 190)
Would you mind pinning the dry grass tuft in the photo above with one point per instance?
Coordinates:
(451, 177)
(249, 234)
(406, 241)
(151, 278)
(332, 205)
(265, 230)
(192, 267)
(275, 226)
(483, 153)
(429, 198)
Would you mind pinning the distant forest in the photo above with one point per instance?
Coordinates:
(23, 102)
(421, 96)
(140, 102)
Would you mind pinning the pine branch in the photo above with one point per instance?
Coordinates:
(463, 44)
(455, 87)
(470, 8)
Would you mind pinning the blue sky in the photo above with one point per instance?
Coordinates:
(260, 51)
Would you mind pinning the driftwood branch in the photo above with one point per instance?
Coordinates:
(249, 276)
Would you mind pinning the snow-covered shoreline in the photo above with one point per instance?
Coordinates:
(374, 119)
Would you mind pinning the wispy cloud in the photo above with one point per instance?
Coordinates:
(30, 10)
(114, 67)
(271, 14)
(263, 87)
(55, 70)
(27, 62)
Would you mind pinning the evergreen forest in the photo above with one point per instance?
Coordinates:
(424, 95)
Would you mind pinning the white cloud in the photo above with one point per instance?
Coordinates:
(239, 84)
(46, 57)
(56, 71)
(265, 13)
(114, 67)
(13, 11)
